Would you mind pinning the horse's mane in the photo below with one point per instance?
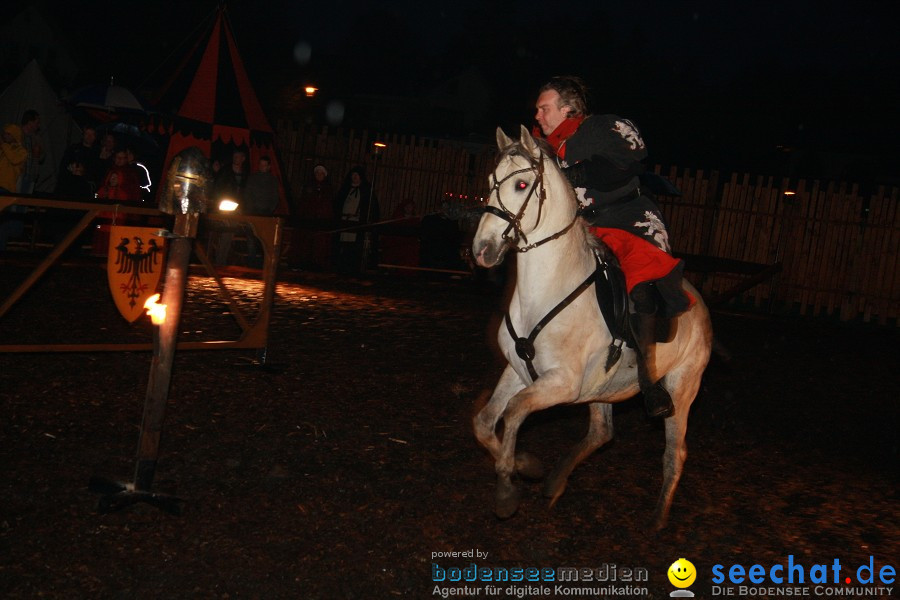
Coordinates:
(516, 149)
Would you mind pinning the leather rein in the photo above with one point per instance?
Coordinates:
(525, 345)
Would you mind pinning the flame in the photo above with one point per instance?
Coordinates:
(156, 311)
(227, 205)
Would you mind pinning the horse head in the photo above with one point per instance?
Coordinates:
(516, 208)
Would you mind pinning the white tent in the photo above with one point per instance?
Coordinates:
(30, 90)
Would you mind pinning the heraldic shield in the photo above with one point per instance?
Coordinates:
(134, 265)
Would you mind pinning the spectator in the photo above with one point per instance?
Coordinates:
(228, 184)
(86, 152)
(357, 205)
(13, 156)
(105, 158)
(120, 182)
(311, 246)
(73, 182)
(260, 200)
(261, 191)
(31, 127)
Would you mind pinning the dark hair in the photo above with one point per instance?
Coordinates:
(572, 93)
(29, 115)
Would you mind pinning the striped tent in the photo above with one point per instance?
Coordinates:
(210, 103)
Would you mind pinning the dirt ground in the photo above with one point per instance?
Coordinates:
(341, 470)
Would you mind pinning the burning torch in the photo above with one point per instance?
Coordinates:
(184, 196)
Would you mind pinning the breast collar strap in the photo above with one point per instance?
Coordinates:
(525, 346)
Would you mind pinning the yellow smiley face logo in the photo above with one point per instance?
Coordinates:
(682, 573)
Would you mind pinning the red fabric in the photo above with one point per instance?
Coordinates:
(120, 183)
(640, 260)
(558, 136)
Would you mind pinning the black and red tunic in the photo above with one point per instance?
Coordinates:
(609, 150)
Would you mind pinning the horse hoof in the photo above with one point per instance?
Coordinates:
(507, 502)
(529, 467)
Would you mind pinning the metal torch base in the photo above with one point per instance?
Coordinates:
(116, 495)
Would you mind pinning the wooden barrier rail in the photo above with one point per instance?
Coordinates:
(254, 331)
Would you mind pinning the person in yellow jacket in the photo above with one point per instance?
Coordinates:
(12, 162)
(12, 157)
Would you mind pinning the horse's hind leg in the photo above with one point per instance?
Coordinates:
(600, 431)
(683, 393)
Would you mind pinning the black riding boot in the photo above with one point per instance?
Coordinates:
(656, 398)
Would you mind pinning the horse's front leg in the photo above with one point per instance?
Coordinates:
(551, 389)
(485, 422)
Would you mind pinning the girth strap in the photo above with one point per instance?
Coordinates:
(525, 346)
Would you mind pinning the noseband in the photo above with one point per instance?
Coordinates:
(515, 219)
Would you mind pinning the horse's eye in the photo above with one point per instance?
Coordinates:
(521, 185)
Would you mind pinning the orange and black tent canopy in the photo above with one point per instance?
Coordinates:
(209, 102)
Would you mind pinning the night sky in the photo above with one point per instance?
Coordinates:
(710, 83)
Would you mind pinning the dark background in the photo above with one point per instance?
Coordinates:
(796, 88)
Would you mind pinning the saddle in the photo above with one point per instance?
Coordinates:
(612, 297)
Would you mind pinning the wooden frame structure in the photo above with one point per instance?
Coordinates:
(254, 333)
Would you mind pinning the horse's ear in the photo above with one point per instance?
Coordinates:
(527, 141)
(503, 140)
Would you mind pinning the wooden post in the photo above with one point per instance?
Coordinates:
(165, 337)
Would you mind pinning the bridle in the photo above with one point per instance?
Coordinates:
(513, 231)
(524, 346)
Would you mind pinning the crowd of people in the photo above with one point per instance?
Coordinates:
(332, 233)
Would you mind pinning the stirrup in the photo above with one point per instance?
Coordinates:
(657, 401)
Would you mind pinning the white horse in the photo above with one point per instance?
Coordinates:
(532, 209)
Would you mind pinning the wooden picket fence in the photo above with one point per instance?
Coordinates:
(837, 248)
(427, 171)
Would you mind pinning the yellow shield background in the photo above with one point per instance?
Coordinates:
(134, 266)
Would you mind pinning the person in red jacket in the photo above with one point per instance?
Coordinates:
(120, 182)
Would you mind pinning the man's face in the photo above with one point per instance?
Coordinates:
(121, 158)
(548, 114)
(354, 179)
(237, 161)
(89, 137)
(264, 166)
(32, 127)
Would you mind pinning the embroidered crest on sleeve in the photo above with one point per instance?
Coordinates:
(630, 134)
(655, 230)
(582, 200)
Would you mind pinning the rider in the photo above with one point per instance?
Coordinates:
(601, 156)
